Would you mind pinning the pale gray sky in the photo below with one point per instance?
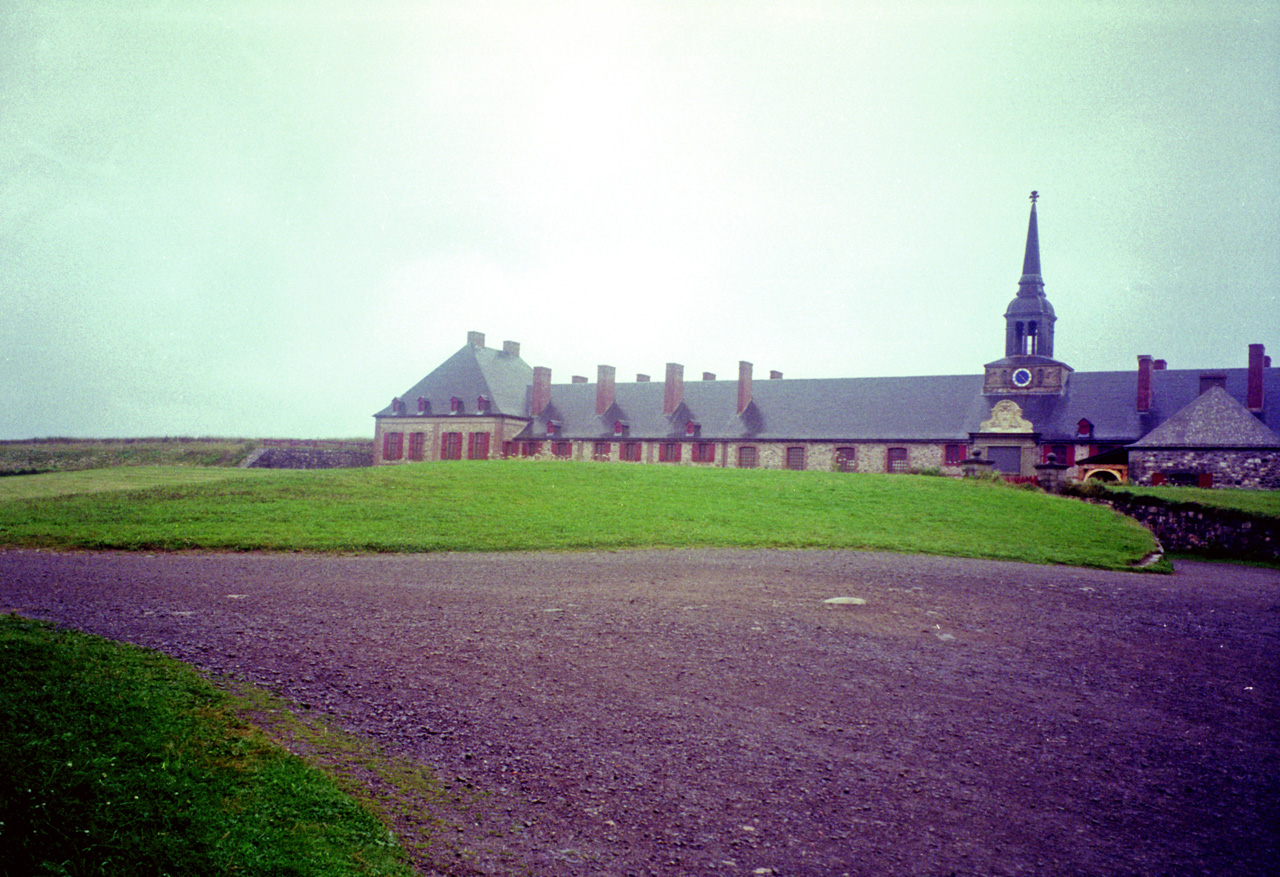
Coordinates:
(266, 219)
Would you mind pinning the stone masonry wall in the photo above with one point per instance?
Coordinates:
(1194, 528)
(311, 458)
(1249, 468)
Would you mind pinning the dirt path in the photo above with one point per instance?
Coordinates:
(707, 712)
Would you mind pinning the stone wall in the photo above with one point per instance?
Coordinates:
(1253, 468)
(1194, 528)
(310, 458)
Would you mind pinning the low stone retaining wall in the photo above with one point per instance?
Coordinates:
(1194, 528)
(310, 458)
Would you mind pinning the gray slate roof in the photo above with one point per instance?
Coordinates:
(470, 373)
(928, 408)
(1213, 420)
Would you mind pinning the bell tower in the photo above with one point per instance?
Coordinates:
(1028, 367)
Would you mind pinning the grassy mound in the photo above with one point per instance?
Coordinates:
(521, 505)
(119, 760)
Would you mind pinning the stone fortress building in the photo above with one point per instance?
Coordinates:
(1151, 425)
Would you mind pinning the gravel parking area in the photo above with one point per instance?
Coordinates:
(710, 712)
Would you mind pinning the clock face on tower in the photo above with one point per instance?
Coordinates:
(1022, 378)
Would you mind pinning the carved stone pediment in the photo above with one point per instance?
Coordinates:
(1006, 416)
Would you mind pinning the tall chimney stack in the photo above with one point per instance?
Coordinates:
(673, 392)
(744, 385)
(1144, 383)
(540, 397)
(475, 339)
(1257, 362)
(604, 388)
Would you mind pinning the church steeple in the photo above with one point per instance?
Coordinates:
(1028, 367)
(1031, 259)
(1029, 318)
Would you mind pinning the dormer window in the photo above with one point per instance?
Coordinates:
(1084, 427)
(620, 427)
(553, 427)
(424, 406)
(482, 404)
(397, 405)
(692, 428)
(455, 405)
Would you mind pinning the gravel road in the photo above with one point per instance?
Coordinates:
(708, 712)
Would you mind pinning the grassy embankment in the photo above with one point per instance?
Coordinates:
(1256, 502)
(118, 760)
(521, 505)
(65, 454)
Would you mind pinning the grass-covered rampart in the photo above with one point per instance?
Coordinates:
(520, 506)
(68, 454)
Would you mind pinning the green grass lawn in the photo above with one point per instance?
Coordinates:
(49, 484)
(118, 760)
(522, 505)
(1258, 502)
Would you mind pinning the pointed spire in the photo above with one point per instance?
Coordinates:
(1029, 318)
(1031, 261)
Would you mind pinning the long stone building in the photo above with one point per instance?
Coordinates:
(486, 403)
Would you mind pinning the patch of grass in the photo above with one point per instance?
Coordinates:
(520, 505)
(49, 484)
(117, 760)
(49, 455)
(1256, 502)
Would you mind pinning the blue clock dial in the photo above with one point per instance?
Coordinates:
(1022, 378)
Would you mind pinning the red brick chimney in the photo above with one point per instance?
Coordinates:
(1257, 362)
(673, 391)
(1144, 383)
(604, 388)
(744, 385)
(540, 397)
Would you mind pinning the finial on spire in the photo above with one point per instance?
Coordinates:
(1035, 196)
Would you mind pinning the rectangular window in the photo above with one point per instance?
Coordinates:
(601, 451)
(704, 452)
(896, 460)
(669, 452)
(478, 446)
(795, 457)
(531, 449)
(417, 445)
(846, 459)
(954, 455)
(451, 446)
(392, 445)
(747, 458)
(629, 451)
(563, 450)
(1064, 454)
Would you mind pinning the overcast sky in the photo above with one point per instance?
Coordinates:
(267, 219)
